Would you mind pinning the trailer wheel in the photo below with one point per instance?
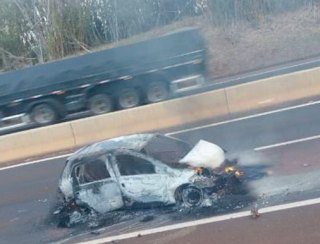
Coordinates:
(1, 117)
(128, 98)
(100, 104)
(157, 91)
(44, 114)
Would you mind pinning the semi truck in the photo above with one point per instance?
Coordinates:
(117, 78)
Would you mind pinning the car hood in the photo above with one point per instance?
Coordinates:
(204, 154)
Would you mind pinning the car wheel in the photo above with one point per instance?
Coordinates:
(190, 196)
(128, 98)
(157, 91)
(100, 104)
(44, 114)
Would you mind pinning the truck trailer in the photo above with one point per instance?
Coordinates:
(117, 78)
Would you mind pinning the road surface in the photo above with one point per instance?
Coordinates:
(294, 226)
(287, 139)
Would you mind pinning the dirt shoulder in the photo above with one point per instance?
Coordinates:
(280, 39)
(242, 47)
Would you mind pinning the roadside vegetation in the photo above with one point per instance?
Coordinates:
(241, 35)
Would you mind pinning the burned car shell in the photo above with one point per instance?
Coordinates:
(119, 172)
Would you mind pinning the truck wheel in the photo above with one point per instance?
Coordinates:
(44, 114)
(189, 196)
(1, 117)
(157, 91)
(128, 98)
(100, 104)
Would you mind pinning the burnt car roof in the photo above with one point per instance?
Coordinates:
(136, 142)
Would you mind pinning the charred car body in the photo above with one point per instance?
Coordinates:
(143, 169)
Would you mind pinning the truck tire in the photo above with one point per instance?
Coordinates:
(128, 98)
(1, 117)
(156, 92)
(44, 114)
(100, 104)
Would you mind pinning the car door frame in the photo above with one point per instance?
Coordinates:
(97, 185)
(159, 168)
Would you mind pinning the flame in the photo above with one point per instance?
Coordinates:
(198, 170)
(229, 169)
(238, 173)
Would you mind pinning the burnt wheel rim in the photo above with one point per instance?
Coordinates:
(192, 196)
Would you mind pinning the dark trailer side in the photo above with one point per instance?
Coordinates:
(117, 78)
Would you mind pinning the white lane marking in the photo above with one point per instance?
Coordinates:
(245, 118)
(35, 162)
(187, 130)
(281, 144)
(203, 221)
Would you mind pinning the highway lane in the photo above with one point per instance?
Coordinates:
(215, 83)
(294, 226)
(267, 72)
(253, 132)
(28, 192)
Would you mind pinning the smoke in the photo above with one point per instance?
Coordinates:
(247, 158)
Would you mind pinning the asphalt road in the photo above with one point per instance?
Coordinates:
(216, 83)
(294, 226)
(28, 192)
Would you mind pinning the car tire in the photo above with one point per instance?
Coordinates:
(189, 196)
(44, 114)
(157, 92)
(100, 104)
(128, 98)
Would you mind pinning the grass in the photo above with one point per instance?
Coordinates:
(242, 47)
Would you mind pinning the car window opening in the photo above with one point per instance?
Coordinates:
(132, 165)
(92, 171)
(167, 150)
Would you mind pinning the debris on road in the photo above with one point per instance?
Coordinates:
(255, 212)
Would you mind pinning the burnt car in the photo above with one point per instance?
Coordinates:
(124, 172)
